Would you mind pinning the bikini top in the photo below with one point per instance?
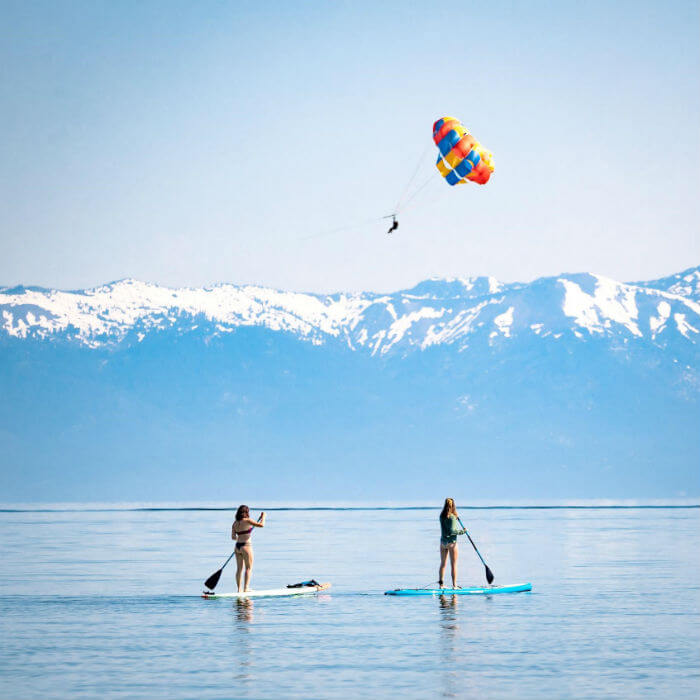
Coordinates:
(243, 532)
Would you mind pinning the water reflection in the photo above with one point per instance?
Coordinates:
(243, 616)
(450, 644)
(448, 603)
(244, 610)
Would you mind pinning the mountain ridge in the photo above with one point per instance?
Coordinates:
(434, 311)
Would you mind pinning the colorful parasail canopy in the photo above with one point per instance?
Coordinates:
(461, 156)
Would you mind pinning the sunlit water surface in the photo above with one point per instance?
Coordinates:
(105, 605)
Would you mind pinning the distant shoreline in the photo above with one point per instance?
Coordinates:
(165, 508)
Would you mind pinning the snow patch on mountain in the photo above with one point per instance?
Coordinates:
(656, 323)
(451, 330)
(402, 325)
(683, 284)
(684, 328)
(454, 288)
(610, 302)
(504, 321)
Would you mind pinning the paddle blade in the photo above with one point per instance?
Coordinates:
(489, 575)
(211, 582)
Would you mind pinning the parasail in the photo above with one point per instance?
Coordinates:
(461, 156)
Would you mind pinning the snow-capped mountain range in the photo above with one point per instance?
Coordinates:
(575, 386)
(459, 312)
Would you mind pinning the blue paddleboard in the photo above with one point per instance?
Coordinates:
(478, 590)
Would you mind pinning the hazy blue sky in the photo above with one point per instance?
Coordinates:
(191, 143)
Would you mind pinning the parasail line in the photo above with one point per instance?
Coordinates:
(413, 177)
(340, 229)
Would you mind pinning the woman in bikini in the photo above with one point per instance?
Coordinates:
(241, 531)
(449, 529)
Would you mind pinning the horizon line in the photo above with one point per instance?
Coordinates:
(147, 509)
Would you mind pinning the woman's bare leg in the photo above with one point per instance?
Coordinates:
(239, 569)
(443, 561)
(454, 555)
(248, 556)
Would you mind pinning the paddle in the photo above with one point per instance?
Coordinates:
(489, 573)
(211, 582)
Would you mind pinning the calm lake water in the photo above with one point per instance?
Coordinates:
(104, 604)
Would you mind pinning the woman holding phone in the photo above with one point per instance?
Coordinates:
(241, 532)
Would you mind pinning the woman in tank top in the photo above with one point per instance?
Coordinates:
(449, 529)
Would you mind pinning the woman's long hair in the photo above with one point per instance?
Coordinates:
(242, 512)
(449, 509)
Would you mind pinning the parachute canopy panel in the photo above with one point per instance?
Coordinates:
(462, 158)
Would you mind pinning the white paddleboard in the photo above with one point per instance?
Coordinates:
(271, 593)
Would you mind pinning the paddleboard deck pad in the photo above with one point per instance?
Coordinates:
(477, 590)
(292, 590)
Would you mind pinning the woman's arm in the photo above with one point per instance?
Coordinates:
(233, 532)
(260, 522)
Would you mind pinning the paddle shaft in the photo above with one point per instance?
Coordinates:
(489, 574)
(231, 557)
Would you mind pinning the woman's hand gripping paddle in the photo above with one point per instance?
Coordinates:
(489, 573)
